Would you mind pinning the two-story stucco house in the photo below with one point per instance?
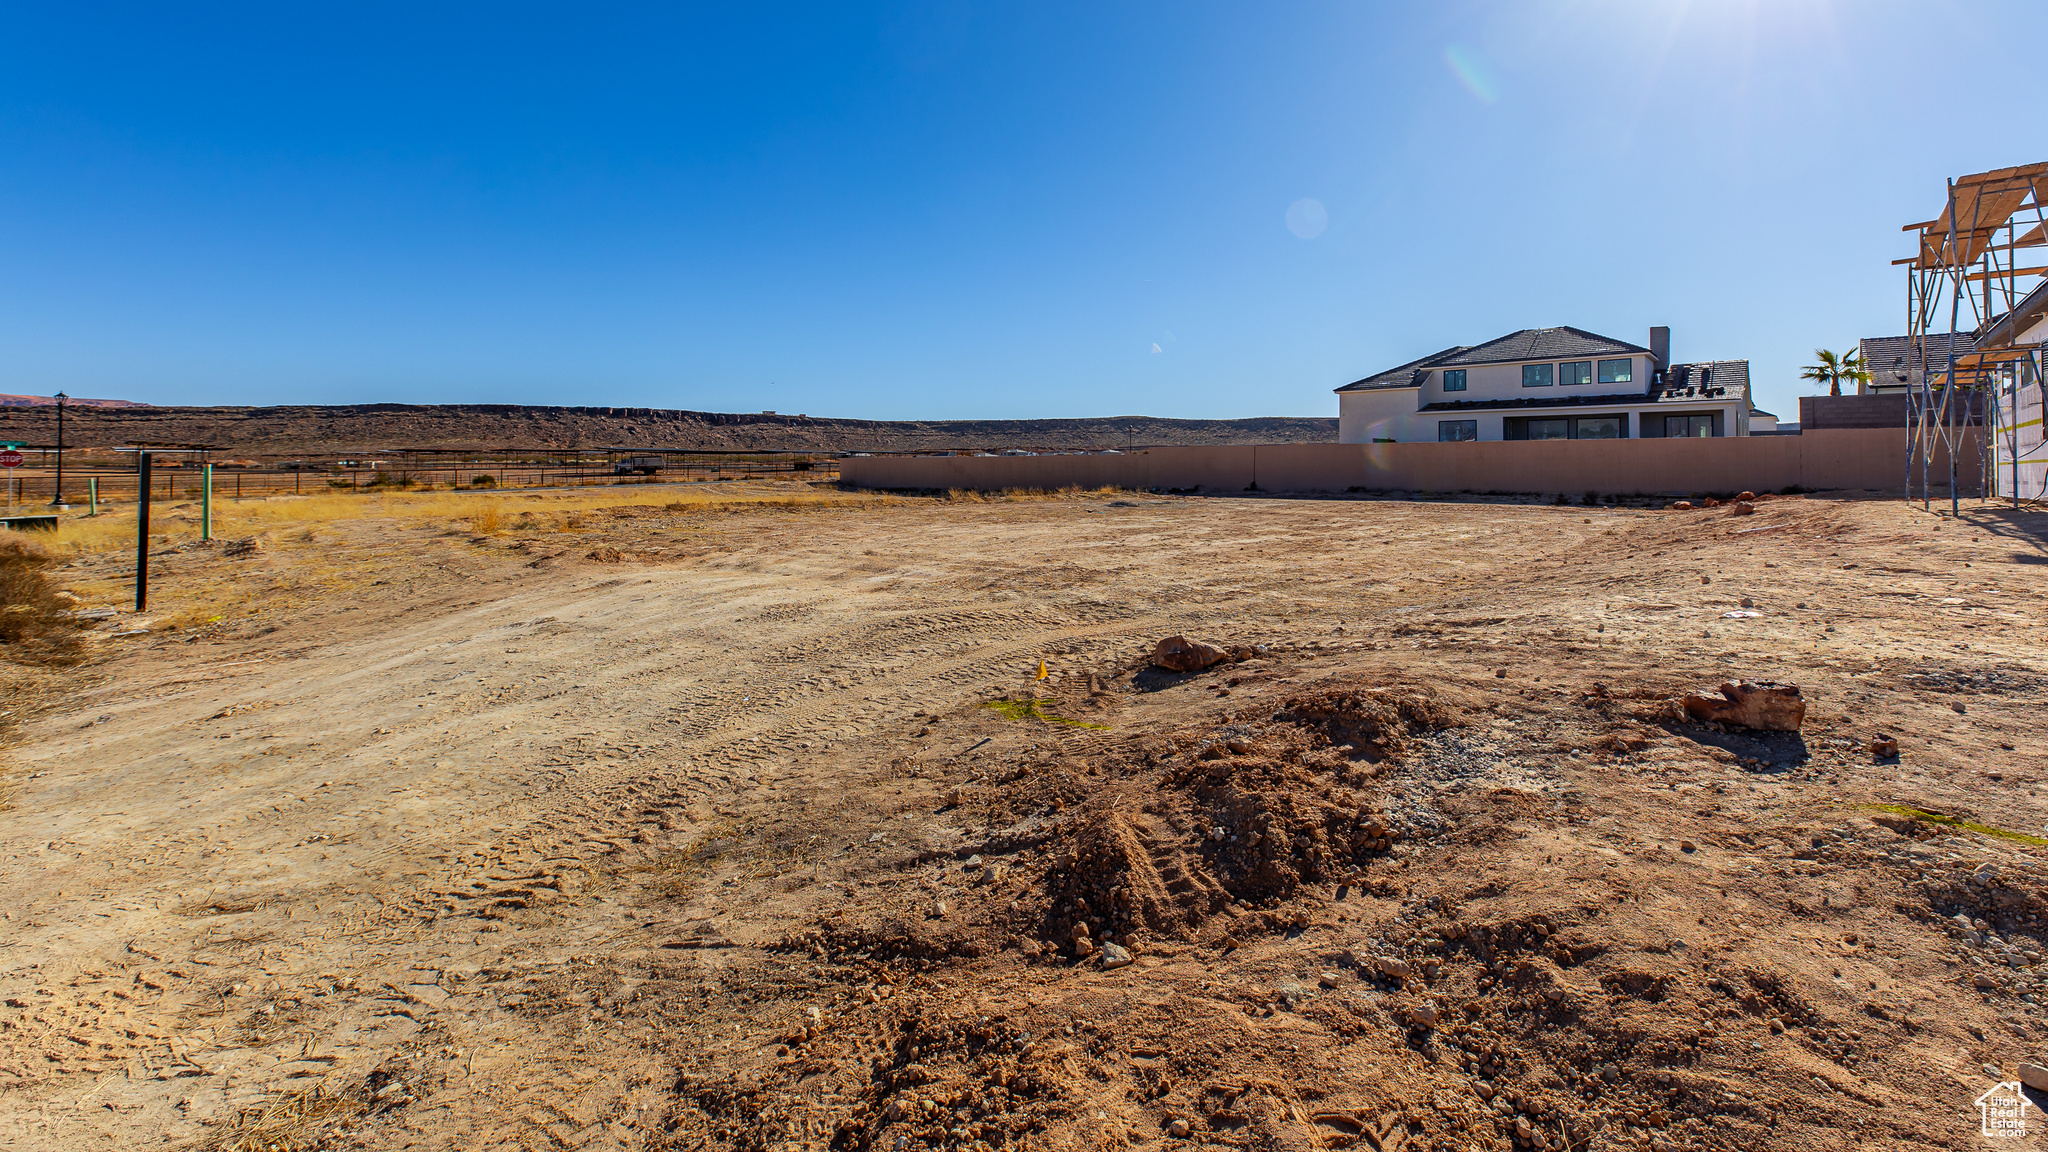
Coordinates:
(1548, 384)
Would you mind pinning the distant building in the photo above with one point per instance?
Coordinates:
(1548, 384)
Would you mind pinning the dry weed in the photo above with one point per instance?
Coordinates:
(290, 1122)
(33, 626)
(114, 529)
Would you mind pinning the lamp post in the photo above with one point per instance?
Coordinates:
(57, 499)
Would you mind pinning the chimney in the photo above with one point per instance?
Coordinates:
(1660, 346)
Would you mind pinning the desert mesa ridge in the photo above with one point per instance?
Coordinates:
(12, 400)
(296, 428)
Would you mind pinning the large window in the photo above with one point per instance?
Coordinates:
(1575, 372)
(1447, 430)
(1536, 376)
(1598, 428)
(1454, 380)
(1615, 371)
(1688, 426)
(1549, 429)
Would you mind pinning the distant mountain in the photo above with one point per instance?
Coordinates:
(11, 401)
(312, 429)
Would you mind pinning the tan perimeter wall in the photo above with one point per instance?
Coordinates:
(1869, 458)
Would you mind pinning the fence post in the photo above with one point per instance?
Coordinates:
(206, 501)
(92, 495)
(142, 534)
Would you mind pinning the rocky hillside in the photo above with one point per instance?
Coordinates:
(314, 428)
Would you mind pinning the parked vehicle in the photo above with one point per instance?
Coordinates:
(639, 465)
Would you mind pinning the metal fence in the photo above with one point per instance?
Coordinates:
(174, 478)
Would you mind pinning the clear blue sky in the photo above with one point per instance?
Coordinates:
(959, 210)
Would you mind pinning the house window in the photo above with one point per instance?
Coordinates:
(1535, 375)
(1688, 425)
(1615, 371)
(1575, 372)
(1598, 428)
(1549, 429)
(1448, 430)
(1454, 380)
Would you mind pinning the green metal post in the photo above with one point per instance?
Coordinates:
(92, 495)
(206, 502)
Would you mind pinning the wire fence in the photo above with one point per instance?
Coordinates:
(173, 479)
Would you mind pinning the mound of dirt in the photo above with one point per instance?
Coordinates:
(1249, 816)
(1372, 722)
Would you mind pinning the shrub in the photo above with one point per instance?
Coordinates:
(483, 480)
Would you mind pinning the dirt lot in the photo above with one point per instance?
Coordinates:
(756, 828)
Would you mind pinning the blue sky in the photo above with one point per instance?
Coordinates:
(949, 210)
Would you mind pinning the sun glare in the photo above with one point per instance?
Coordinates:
(1473, 72)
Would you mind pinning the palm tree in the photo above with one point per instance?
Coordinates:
(1852, 371)
(1832, 370)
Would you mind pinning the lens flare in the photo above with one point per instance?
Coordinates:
(1307, 218)
(1472, 72)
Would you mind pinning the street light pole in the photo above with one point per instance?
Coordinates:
(57, 500)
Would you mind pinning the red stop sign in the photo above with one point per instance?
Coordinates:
(10, 459)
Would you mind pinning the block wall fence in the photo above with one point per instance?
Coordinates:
(1850, 458)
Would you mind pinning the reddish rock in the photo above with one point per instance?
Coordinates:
(1180, 654)
(1766, 706)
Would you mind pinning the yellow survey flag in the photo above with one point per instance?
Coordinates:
(1041, 671)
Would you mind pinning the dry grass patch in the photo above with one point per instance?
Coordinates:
(484, 513)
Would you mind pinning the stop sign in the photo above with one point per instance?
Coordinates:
(10, 459)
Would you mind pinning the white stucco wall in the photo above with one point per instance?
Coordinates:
(1392, 413)
(1382, 414)
(1504, 382)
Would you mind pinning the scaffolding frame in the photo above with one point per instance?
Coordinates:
(1962, 373)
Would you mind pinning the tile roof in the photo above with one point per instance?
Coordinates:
(1528, 344)
(1408, 375)
(1708, 379)
(1893, 365)
(1543, 344)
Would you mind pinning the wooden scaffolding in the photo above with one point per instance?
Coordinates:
(1974, 362)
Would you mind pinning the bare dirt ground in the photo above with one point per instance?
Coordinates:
(756, 829)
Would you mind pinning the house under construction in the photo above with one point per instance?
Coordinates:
(1977, 317)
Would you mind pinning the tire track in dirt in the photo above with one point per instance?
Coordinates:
(232, 929)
